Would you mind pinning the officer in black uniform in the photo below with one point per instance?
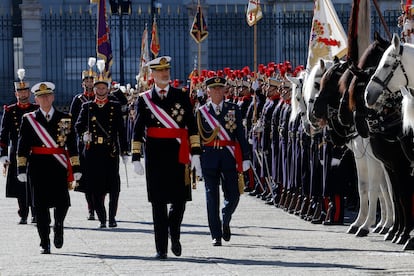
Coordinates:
(78, 100)
(9, 133)
(47, 156)
(101, 127)
(165, 119)
(225, 155)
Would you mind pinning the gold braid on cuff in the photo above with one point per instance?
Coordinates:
(74, 161)
(136, 147)
(195, 141)
(21, 161)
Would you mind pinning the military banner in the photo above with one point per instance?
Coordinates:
(155, 43)
(103, 41)
(144, 54)
(359, 30)
(327, 38)
(254, 12)
(199, 30)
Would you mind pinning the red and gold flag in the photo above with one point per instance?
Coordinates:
(327, 38)
(155, 43)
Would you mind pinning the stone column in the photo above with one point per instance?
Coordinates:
(32, 40)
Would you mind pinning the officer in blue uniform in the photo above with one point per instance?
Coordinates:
(225, 155)
(9, 132)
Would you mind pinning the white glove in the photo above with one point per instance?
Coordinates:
(22, 177)
(4, 159)
(246, 165)
(335, 162)
(125, 159)
(255, 85)
(321, 162)
(86, 137)
(77, 176)
(196, 164)
(200, 93)
(138, 168)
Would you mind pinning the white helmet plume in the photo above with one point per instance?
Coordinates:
(91, 62)
(101, 65)
(20, 74)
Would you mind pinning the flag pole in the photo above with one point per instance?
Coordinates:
(255, 47)
(199, 45)
(384, 24)
(199, 58)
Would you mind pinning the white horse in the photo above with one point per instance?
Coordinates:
(311, 89)
(373, 185)
(395, 74)
(395, 70)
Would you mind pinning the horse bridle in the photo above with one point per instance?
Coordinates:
(397, 63)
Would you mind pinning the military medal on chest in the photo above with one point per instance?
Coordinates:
(63, 130)
(177, 112)
(230, 119)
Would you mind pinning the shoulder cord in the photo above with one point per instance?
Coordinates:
(214, 132)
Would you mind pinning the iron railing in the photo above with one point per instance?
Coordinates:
(68, 39)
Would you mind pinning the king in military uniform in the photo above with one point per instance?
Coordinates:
(165, 120)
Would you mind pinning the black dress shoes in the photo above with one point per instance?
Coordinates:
(23, 221)
(102, 225)
(176, 247)
(58, 238)
(34, 220)
(216, 242)
(112, 223)
(91, 216)
(45, 249)
(226, 233)
(161, 256)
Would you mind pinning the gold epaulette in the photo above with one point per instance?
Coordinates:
(74, 161)
(21, 161)
(195, 141)
(136, 147)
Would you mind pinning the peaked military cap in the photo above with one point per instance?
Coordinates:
(159, 63)
(43, 88)
(215, 81)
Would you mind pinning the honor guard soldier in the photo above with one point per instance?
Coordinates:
(101, 126)
(225, 155)
(166, 122)
(9, 133)
(47, 157)
(78, 100)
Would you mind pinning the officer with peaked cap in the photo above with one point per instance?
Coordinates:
(47, 157)
(165, 121)
(10, 127)
(225, 155)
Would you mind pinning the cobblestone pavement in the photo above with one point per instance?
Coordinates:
(264, 240)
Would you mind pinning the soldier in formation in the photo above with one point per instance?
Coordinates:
(9, 133)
